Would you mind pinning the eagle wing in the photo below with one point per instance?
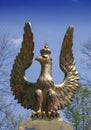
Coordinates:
(66, 90)
(22, 89)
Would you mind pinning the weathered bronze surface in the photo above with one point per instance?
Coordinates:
(44, 97)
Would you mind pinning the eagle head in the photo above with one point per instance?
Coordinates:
(44, 58)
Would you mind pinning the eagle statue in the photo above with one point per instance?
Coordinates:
(44, 96)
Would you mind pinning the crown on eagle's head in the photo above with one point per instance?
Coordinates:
(45, 51)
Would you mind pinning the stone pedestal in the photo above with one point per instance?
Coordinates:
(45, 124)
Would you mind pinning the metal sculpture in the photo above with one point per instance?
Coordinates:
(44, 97)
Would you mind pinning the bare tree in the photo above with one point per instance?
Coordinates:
(8, 119)
(86, 61)
(5, 56)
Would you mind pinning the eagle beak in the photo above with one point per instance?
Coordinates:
(39, 58)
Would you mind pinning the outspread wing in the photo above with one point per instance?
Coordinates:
(22, 89)
(67, 89)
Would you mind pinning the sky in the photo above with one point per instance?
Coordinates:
(50, 20)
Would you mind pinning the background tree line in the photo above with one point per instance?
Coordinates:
(8, 119)
(78, 113)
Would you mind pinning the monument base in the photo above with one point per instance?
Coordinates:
(45, 124)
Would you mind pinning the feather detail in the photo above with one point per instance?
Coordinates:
(67, 89)
(22, 89)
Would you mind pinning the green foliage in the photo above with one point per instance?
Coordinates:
(79, 112)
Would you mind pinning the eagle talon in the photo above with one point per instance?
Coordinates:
(49, 115)
(38, 114)
(56, 114)
(43, 114)
(53, 114)
(33, 114)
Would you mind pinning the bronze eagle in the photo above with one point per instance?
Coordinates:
(44, 97)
